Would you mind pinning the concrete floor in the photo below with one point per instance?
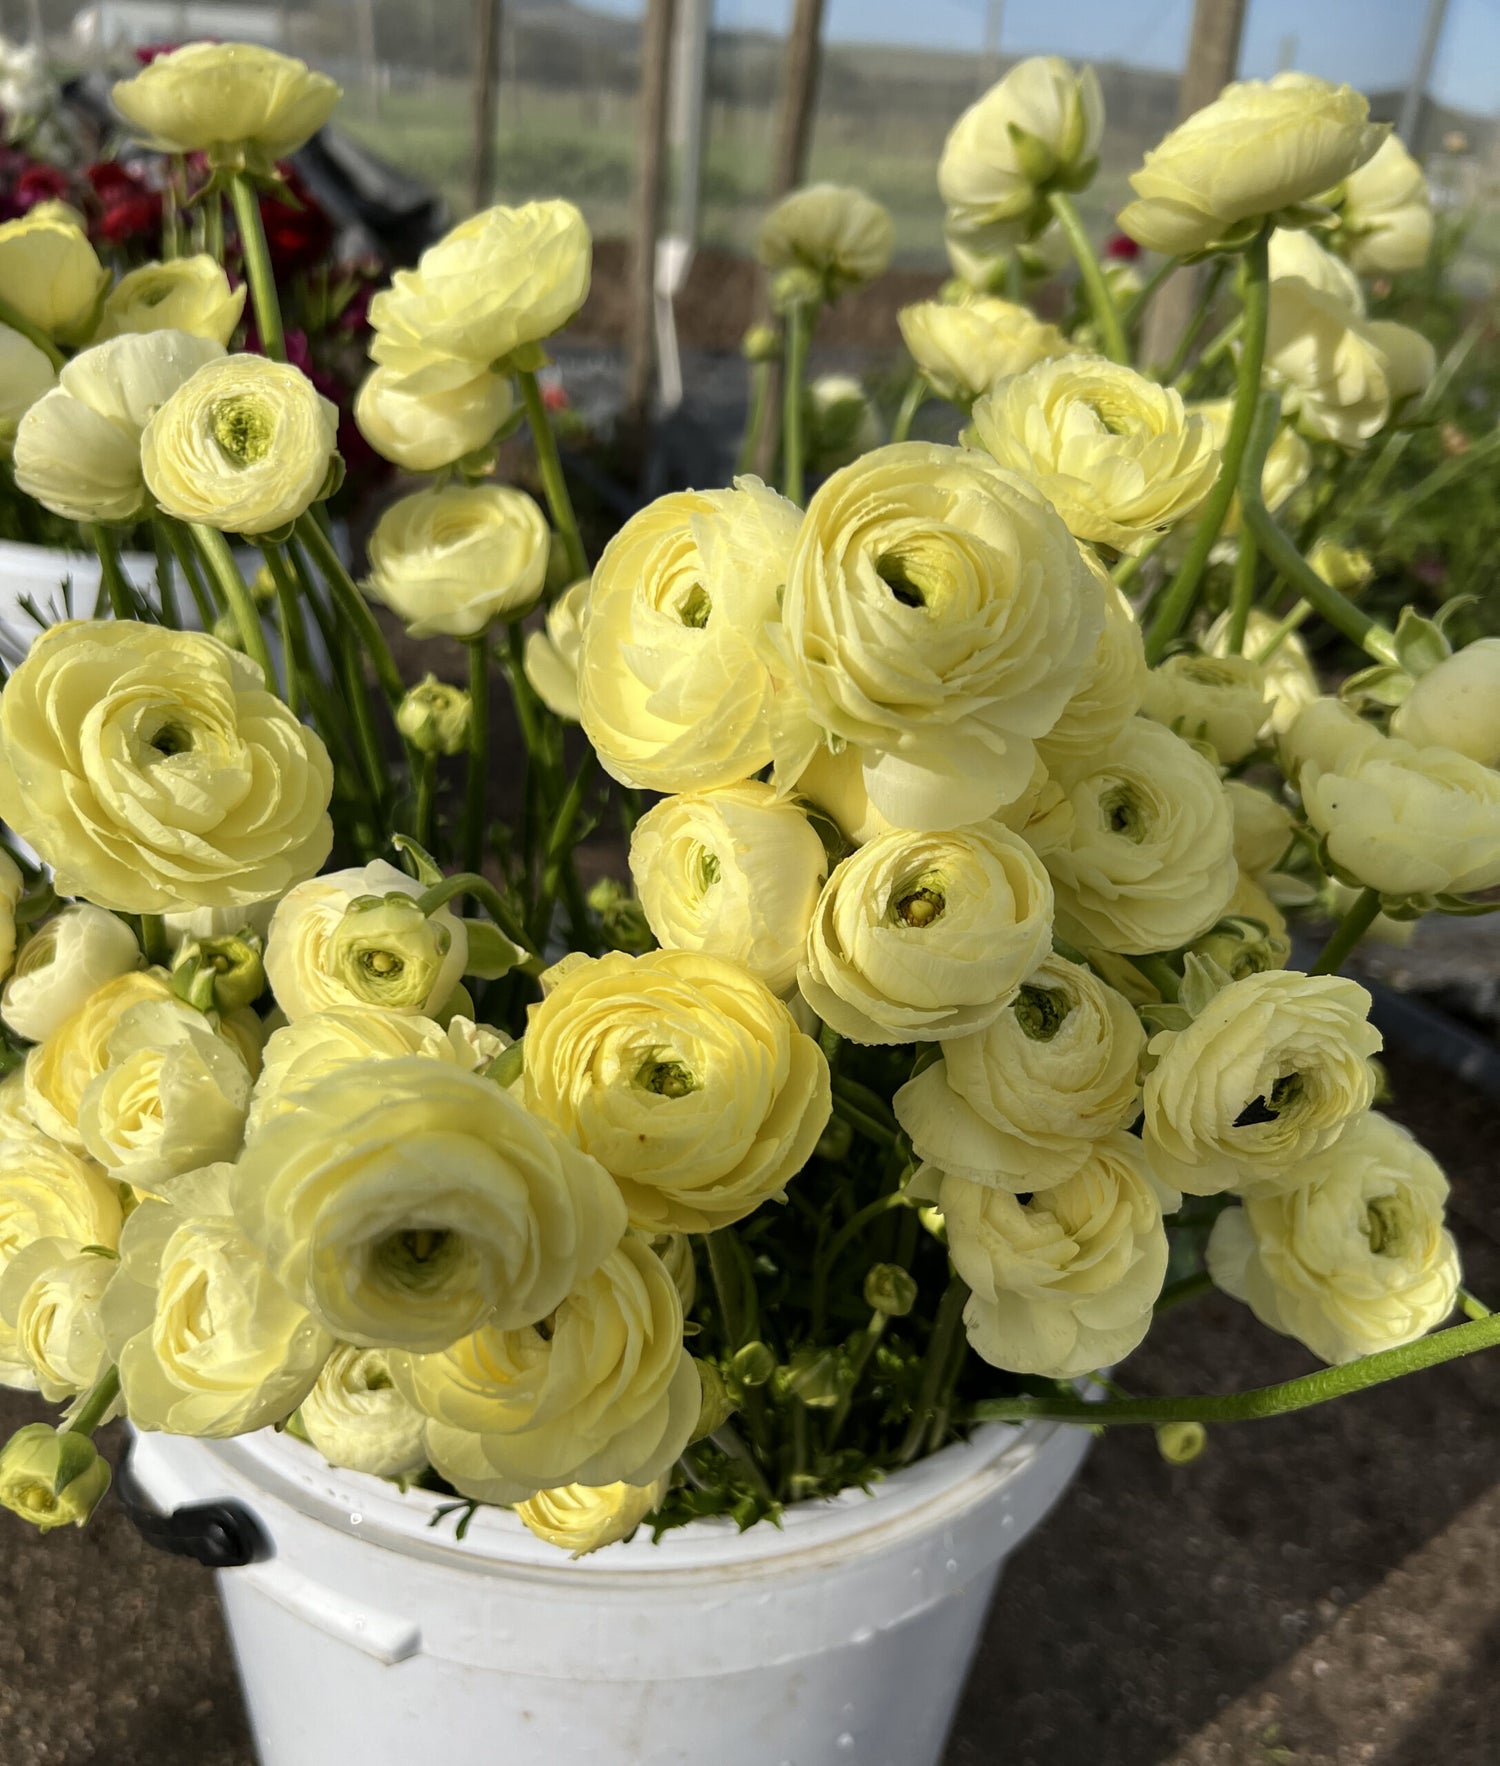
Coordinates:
(1317, 1591)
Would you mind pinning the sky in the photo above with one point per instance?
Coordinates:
(1369, 43)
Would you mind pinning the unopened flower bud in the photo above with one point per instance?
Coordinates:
(761, 343)
(717, 1406)
(623, 916)
(815, 1378)
(797, 286)
(227, 631)
(434, 717)
(1341, 567)
(219, 974)
(753, 1365)
(1179, 1444)
(388, 953)
(52, 1477)
(890, 1289)
(263, 586)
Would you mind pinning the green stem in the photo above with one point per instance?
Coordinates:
(1129, 567)
(847, 1233)
(1472, 1306)
(166, 586)
(755, 418)
(1199, 318)
(1160, 973)
(553, 482)
(1106, 313)
(1242, 595)
(800, 317)
(559, 847)
(188, 562)
(1299, 616)
(1441, 476)
(1213, 351)
(32, 333)
(1191, 1287)
(426, 780)
(298, 653)
(94, 1407)
(911, 402)
(727, 1440)
(868, 1340)
(484, 892)
(211, 212)
(258, 271)
(1135, 312)
(945, 1329)
(353, 606)
(1237, 1407)
(214, 550)
(1178, 600)
(476, 781)
(1362, 914)
(121, 596)
(154, 938)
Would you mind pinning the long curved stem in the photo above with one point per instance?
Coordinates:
(477, 777)
(911, 403)
(755, 417)
(353, 606)
(214, 549)
(258, 271)
(799, 323)
(549, 465)
(1106, 313)
(1362, 914)
(121, 601)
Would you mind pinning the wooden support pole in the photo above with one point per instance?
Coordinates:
(486, 86)
(656, 57)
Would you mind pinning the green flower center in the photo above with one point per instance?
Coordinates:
(696, 607)
(1041, 1011)
(1284, 1093)
(418, 1258)
(1386, 1225)
(666, 1077)
(382, 964)
(243, 428)
(708, 868)
(894, 572)
(171, 739)
(1122, 813)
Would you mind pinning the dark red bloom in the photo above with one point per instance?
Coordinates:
(1124, 248)
(149, 52)
(128, 207)
(39, 183)
(298, 232)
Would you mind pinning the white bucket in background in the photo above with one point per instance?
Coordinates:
(842, 1638)
(37, 574)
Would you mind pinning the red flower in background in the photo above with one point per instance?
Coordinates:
(298, 232)
(1122, 247)
(37, 184)
(128, 207)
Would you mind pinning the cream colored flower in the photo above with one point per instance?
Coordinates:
(1262, 827)
(1118, 456)
(922, 937)
(608, 1391)
(60, 1069)
(581, 1518)
(1149, 861)
(435, 717)
(298, 1055)
(841, 422)
(11, 885)
(25, 375)
(50, 275)
(551, 656)
(1037, 128)
(357, 1419)
(424, 432)
(49, 1312)
(15, 1118)
(47, 1192)
(207, 1341)
(78, 448)
(1273, 1069)
(1386, 217)
(323, 953)
(1065, 1282)
(1262, 148)
(237, 102)
(1288, 463)
(938, 616)
(185, 294)
(1397, 818)
(685, 1077)
(1217, 700)
(246, 445)
(964, 347)
(452, 561)
(485, 297)
(1110, 693)
(407, 1203)
(1355, 1258)
(1291, 681)
(841, 236)
(172, 1097)
(1020, 1105)
(153, 771)
(672, 689)
(1251, 936)
(1456, 705)
(735, 873)
(1294, 252)
(61, 964)
(52, 1477)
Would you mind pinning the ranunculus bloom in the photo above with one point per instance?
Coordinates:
(49, 1311)
(1220, 700)
(581, 1518)
(453, 560)
(184, 294)
(840, 236)
(61, 964)
(25, 375)
(357, 1418)
(1108, 696)
(1386, 217)
(424, 432)
(964, 347)
(552, 655)
(1456, 705)
(50, 275)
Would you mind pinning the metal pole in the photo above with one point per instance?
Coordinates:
(1415, 97)
(364, 26)
(486, 80)
(656, 56)
(989, 65)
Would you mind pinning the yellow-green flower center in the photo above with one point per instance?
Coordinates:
(1283, 1094)
(1121, 812)
(243, 428)
(171, 739)
(696, 607)
(419, 1257)
(895, 572)
(708, 869)
(919, 903)
(1042, 1011)
(1386, 1225)
(667, 1077)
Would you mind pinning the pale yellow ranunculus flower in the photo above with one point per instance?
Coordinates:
(1293, 252)
(451, 561)
(1339, 373)
(582, 1518)
(1262, 827)
(25, 375)
(52, 1477)
(51, 276)
(1291, 680)
(1352, 1259)
(1251, 936)
(938, 616)
(47, 1192)
(734, 872)
(1110, 693)
(1118, 456)
(78, 448)
(1148, 862)
(60, 1069)
(923, 937)
(685, 1077)
(1385, 219)
(840, 236)
(486, 296)
(184, 294)
(964, 347)
(154, 772)
(1064, 1282)
(424, 432)
(1395, 817)
(246, 446)
(1273, 1069)
(1456, 705)
(11, 885)
(407, 1203)
(435, 717)
(320, 956)
(1217, 700)
(673, 689)
(551, 656)
(239, 103)
(171, 1098)
(49, 1311)
(208, 1342)
(1262, 148)
(606, 1392)
(1038, 128)
(61, 964)
(1019, 1105)
(357, 1418)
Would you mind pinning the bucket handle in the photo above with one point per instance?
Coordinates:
(221, 1535)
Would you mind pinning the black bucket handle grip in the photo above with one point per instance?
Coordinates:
(221, 1535)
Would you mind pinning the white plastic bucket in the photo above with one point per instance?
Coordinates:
(841, 1639)
(37, 574)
